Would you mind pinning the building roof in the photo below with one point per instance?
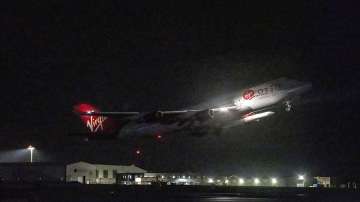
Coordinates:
(119, 168)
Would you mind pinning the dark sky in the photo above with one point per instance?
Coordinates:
(144, 57)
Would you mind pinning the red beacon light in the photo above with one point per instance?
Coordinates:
(158, 136)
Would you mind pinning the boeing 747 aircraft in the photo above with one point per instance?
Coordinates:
(250, 104)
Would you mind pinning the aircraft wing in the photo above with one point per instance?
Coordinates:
(112, 114)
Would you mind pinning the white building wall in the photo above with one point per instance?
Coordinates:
(77, 172)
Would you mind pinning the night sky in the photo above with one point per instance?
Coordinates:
(144, 57)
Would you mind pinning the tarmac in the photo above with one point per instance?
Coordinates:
(54, 192)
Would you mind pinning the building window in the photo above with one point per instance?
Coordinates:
(105, 173)
(114, 173)
(97, 173)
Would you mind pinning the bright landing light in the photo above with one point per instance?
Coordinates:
(223, 109)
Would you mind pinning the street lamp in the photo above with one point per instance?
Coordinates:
(31, 148)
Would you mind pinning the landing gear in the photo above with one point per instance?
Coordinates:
(288, 106)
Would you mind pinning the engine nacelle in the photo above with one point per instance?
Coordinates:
(257, 116)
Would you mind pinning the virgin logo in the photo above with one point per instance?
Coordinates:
(94, 124)
(248, 94)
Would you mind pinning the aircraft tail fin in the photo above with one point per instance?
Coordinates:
(94, 122)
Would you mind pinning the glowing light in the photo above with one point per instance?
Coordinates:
(256, 181)
(223, 109)
(138, 180)
(93, 123)
(210, 180)
(301, 177)
(241, 181)
(30, 148)
(274, 181)
(226, 181)
(257, 116)
(248, 94)
(138, 152)
(158, 136)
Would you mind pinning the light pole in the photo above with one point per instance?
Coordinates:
(31, 148)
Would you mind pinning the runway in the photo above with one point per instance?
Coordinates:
(98, 193)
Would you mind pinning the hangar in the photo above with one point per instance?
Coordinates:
(88, 173)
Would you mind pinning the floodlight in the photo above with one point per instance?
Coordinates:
(241, 181)
(274, 181)
(31, 149)
(301, 177)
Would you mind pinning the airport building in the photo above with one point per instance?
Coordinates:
(87, 173)
(170, 179)
(323, 181)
